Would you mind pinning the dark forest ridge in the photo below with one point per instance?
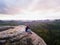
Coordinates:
(4, 28)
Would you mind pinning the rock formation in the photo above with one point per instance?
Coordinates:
(16, 35)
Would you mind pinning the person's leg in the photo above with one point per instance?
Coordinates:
(29, 31)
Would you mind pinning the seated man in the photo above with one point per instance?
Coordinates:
(28, 30)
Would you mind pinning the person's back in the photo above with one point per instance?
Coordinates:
(28, 30)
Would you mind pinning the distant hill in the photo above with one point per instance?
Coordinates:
(19, 22)
(12, 22)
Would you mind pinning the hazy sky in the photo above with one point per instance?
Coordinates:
(29, 9)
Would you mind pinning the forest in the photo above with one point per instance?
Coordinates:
(49, 31)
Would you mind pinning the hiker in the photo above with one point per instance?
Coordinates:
(28, 30)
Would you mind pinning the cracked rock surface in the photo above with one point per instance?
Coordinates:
(18, 36)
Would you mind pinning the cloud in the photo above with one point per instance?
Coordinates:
(13, 6)
(45, 4)
(17, 6)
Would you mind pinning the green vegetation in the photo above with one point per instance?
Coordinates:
(50, 32)
(8, 24)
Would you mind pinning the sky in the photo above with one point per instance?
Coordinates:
(29, 9)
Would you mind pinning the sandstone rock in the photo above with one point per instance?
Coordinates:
(18, 36)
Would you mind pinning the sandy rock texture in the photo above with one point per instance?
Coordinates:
(18, 36)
